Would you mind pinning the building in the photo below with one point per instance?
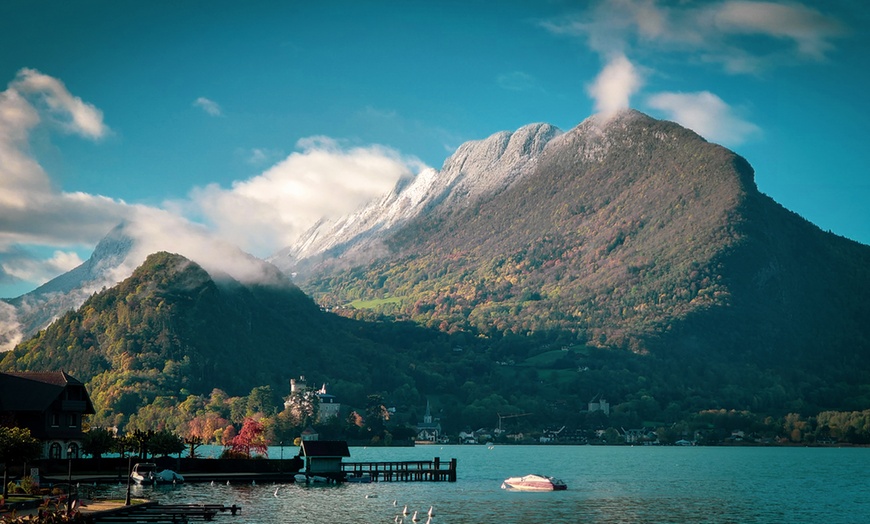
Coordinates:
(51, 405)
(323, 457)
(308, 434)
(328, 406)
(599, 404)
(429, 430)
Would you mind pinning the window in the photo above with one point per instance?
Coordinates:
(55, 419)
(72, 420)
(73, 450)
(54, 450)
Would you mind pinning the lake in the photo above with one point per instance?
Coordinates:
(606, 484)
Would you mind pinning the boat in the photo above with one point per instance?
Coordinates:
(310, 479)
(359, 478)
(146, 473)
(534, 483)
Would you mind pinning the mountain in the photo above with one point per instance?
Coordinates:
(35, 310)
(114, 259)
(478, 170)
(171, 329)
(632, 234)
(626, 258)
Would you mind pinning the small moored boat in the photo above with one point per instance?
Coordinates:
(534, 483)
(146, 473)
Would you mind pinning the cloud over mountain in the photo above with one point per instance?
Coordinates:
(263, 213)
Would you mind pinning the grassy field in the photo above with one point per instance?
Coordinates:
(369, 304)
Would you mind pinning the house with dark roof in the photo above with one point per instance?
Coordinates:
(323, 457)
(51, 405)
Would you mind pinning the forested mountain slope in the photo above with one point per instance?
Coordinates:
(630, 234)
(172, 330)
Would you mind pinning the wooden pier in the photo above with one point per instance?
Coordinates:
(156, 513)
(408, 471)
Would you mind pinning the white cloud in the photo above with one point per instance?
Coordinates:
(209, 106)
(706, 114)
(19, 265)
(85, 119)
(614, 85)
(323, 180)
(33, 212)
(264, 213)
(710, 32)
(808, 29)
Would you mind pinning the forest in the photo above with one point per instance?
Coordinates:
(149, 355)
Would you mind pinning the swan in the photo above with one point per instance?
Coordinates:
(405, 510)
(394, 502)
(414, 517)
(276, 491)
(431, 512)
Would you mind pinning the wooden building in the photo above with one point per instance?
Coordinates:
(51, 405)
(323, 457)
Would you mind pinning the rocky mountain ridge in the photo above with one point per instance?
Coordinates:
(477, 170)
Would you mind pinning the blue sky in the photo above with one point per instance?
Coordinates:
(255, 119)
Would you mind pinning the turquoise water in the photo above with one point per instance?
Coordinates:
(605, 485)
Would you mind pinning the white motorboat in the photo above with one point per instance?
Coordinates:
(146, 473)
(534, 483)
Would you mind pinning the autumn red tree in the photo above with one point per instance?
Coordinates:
(251, 439)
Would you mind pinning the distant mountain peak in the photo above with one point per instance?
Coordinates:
(477, 170)
(114, 258)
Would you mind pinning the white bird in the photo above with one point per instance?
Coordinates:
(212, 483)
(394, 502)
(276, 491)
(228, 483)
(429, 520)
(414, 517)
(431, 512)
(405, 510)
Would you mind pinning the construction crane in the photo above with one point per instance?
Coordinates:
(511, 415)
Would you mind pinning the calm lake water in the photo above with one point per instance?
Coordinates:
(606, 484)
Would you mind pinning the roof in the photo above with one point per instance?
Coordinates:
(36, 391)
(325, 448)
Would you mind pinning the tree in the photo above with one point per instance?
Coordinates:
(98, 441)
(376, 414)
(303, 407)
(141, 442)
(250, 439)
(165, 443)
(18, 444)
(260, 401)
